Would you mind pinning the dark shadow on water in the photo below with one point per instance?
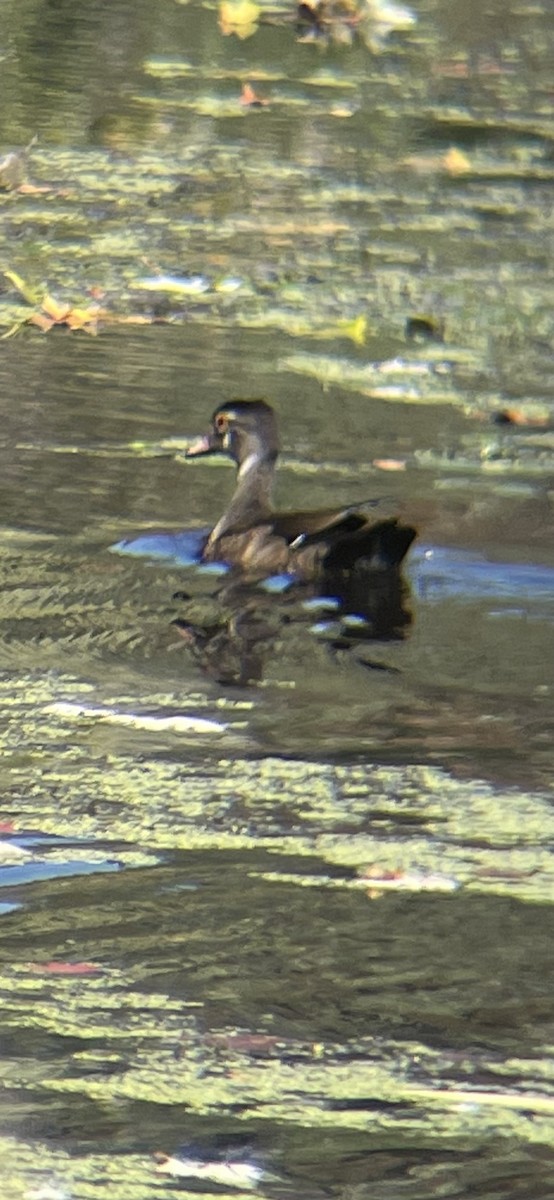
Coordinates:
(234, 631)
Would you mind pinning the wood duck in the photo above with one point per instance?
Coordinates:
(308, 545)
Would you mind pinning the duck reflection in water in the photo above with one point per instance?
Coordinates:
(342, 564)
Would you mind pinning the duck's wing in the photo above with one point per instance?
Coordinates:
(367, 535)
(379, 545)
(312, 526)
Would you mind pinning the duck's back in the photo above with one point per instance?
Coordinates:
(291, 543)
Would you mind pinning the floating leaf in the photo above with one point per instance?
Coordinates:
(58, 312)
(50, 312)
(355, 329)
(390, 464)
(82, 318)
(40, 320)
(40, 189)
(250, 98)
(30, 294)
(55, 967)
(239, 17)
(456, 162)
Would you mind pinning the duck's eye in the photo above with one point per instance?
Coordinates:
(221, 423)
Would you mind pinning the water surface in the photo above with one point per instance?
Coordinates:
(282, 901)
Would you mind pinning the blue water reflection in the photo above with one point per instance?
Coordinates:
(440, 572)
(182, 548)
(436, 572)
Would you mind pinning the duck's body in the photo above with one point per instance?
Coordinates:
(260, 541)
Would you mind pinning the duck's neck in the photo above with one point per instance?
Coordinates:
(251, 501)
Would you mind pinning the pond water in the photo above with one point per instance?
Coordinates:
(276, 898)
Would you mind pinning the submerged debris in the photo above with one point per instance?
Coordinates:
(340, 20)
(229, 1162)
(423, 327)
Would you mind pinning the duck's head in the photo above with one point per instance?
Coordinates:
(246, 430)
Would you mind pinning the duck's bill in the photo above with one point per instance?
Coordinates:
(204, 445)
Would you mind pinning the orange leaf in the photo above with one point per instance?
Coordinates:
(45, 323)
(34, 189)
(250, 98)
(58, 312)
(389, 464)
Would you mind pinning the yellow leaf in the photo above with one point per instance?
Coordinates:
(130, 319)
(356, 329)
(456, 161)
(82, 318)
(239, 17)
(12, 330)
(30, 294)
(58, 312)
